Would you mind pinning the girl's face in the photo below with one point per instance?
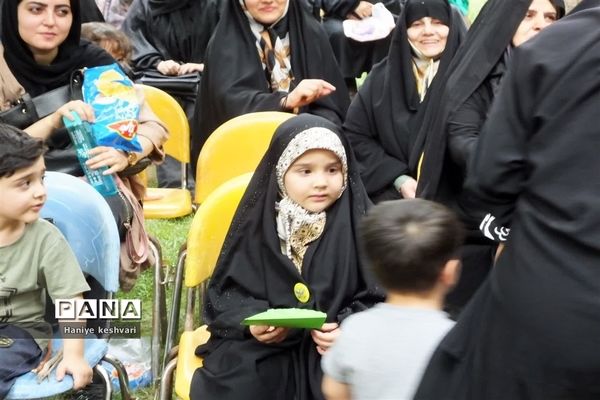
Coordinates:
(44, 24)
(429, 36)
(315, 180)
(266, 12)
(540, 14)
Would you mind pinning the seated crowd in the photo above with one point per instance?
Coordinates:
(423, 212)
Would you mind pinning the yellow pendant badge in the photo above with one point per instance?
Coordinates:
(301, 292)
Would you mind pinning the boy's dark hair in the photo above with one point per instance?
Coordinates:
(408, 242)
(18, 150)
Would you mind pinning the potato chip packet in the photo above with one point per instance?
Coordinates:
(116, 107)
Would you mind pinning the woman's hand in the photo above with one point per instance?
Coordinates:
(409, 189)
(103, 156)
(268, 334)
(307, 91)
(84, 110)
(325, 337)
(188, 68)
(168, 67)
(363, 10)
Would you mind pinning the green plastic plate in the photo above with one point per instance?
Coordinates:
(288, 318)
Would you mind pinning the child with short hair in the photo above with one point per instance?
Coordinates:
(115, 42)
(293, 243)
(34, 259)
(381, 353)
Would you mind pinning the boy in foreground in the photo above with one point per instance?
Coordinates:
(381, 353)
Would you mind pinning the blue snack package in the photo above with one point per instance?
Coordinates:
(116, 107)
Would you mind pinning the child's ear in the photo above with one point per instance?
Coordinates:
(450, 273)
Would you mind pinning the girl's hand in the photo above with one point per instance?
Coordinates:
(307, 91)
(268, 334)
(103, 156)
(188, 68)
(84, 110)
(326, 336)
(168, 67)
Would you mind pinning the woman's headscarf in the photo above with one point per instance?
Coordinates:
(273, 45)
(72, 54)
(297, 226)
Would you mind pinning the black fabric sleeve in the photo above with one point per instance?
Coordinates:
(500, 160)
(378, 169)
(464, 126)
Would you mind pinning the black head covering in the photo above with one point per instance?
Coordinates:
(72, 53)
(234, 81)
(437, 9)
(159, 7)
(560, 7)
(251, 255)
(388, 106)
(90, 12)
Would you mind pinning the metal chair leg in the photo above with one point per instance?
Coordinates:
(173, 324)
(166, 387)
(157, 311)
(122, 374)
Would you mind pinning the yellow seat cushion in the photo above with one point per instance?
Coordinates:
(160, 203)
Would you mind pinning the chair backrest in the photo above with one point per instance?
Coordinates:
(86, 221)
(234, 148)
(209, 228)
(168, 110)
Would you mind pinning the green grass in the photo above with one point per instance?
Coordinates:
(171, 234)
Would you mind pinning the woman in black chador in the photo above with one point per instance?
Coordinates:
(292, 244)
(459, 108)
(533, 329)
(274, 58)
(170, 35)
(385, 116)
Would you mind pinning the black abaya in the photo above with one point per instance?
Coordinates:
(533, 330)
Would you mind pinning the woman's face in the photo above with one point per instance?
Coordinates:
(429, 36)
(266, 12)
(44, 24)
(540, 14)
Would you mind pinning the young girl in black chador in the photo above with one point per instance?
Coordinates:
(292, 243)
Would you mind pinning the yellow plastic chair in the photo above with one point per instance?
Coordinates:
(235, 148)
(205, 239)
(163, 203)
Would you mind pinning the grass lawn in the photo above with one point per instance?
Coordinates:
(171, 235)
